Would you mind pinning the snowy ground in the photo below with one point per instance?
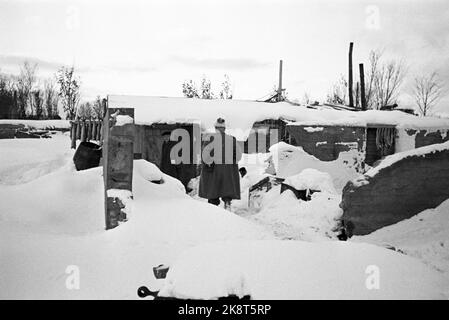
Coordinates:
(51, 218)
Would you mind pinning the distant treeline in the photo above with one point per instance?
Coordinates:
(25, 96)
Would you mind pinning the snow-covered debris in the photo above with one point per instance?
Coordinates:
(291, 218)
(424, 236)
(300, 270)
(125, 197)
(147, 170)
(290, 160)
(311, 179)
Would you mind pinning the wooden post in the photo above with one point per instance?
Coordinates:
(83, 131)
(73, 135)
(351, 98)
(118, 156)
(78, 129)
(362, 86)
(279, 98)
(99, 130)
(94, 130)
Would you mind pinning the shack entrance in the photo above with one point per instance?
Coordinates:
(379, 142)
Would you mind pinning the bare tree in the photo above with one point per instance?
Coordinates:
(226, 91)
(97, 108)
(338, 95)
(428, 90)
(206, 90)
(374, 57)
(189, 89)
(24, 86)
(38, 102)
(384, 81)
(69, 90)
(7, 94)
(50, 99)
(85, 111)
(388, 82)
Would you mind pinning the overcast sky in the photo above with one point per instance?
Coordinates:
(151, 47)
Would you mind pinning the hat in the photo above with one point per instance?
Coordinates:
(220, 123)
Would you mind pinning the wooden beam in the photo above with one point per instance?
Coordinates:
(362, 86)
(280, 82)
(351, 98)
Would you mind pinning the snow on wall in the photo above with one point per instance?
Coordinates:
(405, 140)
(391, 159)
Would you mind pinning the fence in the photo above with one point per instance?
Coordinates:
(86, 130)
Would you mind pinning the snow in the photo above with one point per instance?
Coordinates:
(311, 179)
(39, 124)
(52, 220)
(391, 159)
(404, 141)
(424, 236)
(23, 160)
(57, 220)
(313, 129)
(121, 120)
(291, 218)
(290, 160)
(241, 114)
(147, 171)
(300, 270)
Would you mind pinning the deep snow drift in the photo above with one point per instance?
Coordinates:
(424, 236)
(57, 220)
(300, 270)
(53, 220)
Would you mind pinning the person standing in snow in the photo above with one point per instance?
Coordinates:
(220, 176)
(169, 166)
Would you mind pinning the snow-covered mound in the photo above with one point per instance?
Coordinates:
(57, 220)
(424, 236)
(291, 218)
(23, 160)
(300, 270)
(311, 179)
(65, 201)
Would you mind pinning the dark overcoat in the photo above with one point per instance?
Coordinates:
(221, 179)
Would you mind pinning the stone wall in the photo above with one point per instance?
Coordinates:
(408, 139)
(397, 192)
(326, 142)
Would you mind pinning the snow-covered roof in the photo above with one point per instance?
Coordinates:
(241, 114)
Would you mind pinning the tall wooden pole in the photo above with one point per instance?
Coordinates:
(280, 82)
(362, 86)
(351, 98)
